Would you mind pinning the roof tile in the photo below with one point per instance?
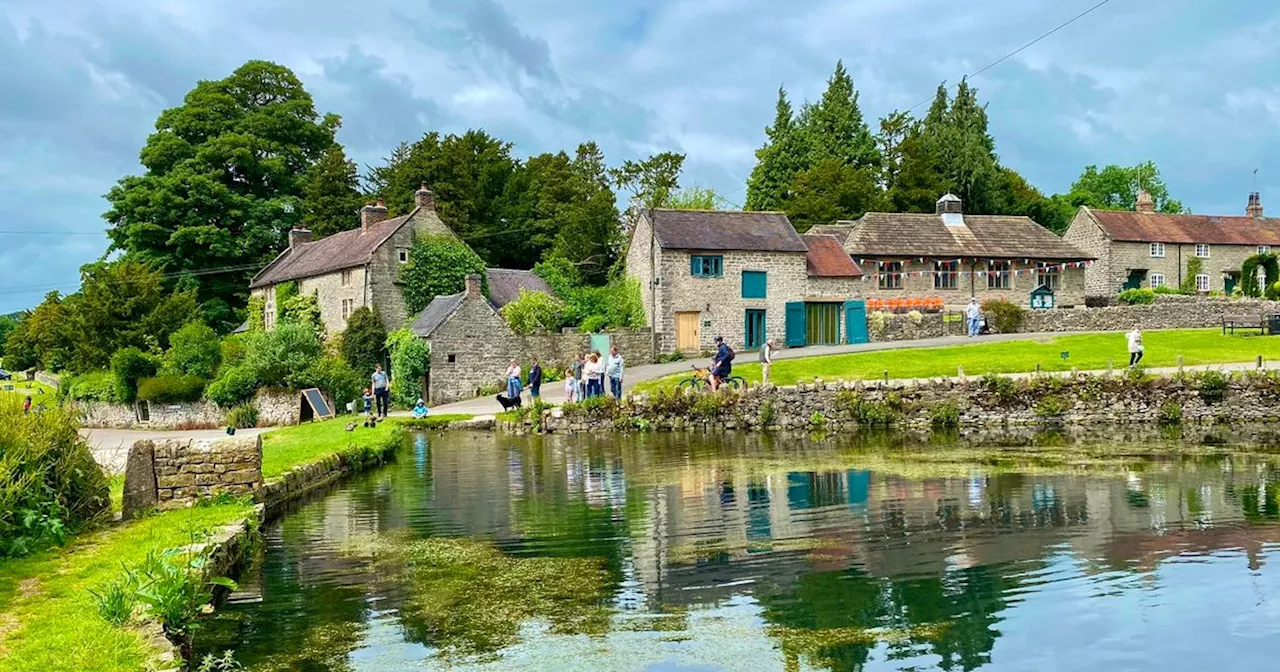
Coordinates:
(827, 259)
(725, 230)
(882, 234)
(505, 284)
(1187, 229)
(334, 253)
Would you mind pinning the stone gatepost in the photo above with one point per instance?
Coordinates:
(173, 473)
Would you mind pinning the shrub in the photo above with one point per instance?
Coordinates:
(277, 356)
(1004, 389)
(1006, 317)
(438, 266)
(1194, 266)
(1138, 297)
(194, 350)
(233, 350)
(256, 309)
(878, 320)
(767, 413)
(867, 412)
(129, 366)
(1170, 413)
(817, 420)
(560, 273)
(674, 356)
(50, 485)
(534, 311)
(1051, 407)
(364, 343)
(410, 359)
(233, 386)
(1212, 386)
(303, 310)
(945, 415)
(333, 375)
(170, 389)
(242, 416)
(95, 386)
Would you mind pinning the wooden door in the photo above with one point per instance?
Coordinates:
(688, 332)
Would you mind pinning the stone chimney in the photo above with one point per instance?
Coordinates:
(1146, 205)
(372, 214)
(1254, 209)
(423, 198)
(298, 237)
(474, 287)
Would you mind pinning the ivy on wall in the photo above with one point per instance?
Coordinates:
(1249, 276)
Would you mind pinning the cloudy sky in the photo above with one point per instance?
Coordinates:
(1190, 84)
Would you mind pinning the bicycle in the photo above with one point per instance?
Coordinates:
(701, 380)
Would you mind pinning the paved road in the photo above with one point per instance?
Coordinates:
(111, 446)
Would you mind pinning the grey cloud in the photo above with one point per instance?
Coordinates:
(488, 23)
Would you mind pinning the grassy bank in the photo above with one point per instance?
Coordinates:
(48, 619)
(288, 447)
(39, 392)
(1084, 352)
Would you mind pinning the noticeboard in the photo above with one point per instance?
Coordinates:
(319, 406)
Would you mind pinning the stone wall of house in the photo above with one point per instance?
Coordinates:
(338, 295)
(384, 267)
(918, 281)
(1086, 234)
(1173, 266)
(1064, 399)
(640, 265)
(1169, 312)
(275, 408)
(174, 473)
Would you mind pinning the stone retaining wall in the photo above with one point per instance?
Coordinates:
(275, 408)
(302, 479)
(175, 473)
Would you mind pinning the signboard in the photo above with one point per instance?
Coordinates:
(319, 407)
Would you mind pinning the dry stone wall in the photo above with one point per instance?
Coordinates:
(275, 408)
(1170, 311)
(174, 473)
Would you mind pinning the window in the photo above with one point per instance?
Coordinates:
(404, 255)
(754, 285)
(269, 310)
(1048, 275)
(946, 274)
(1202, 250)
(707, 267)
(1264, 249)
(998, 274)
(890, 274)
(348, 307)
(1157, 249)
(1202, 283)
(1156, 280)
(453, 359)
(346, 278)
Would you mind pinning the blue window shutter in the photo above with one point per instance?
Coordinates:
(695, 265)
(754, 284)
(796, 336)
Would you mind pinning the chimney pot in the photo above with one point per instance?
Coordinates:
(474, 286)
(1254, 209)
(1146, 205)
(299, 236)
(424, 199)
(372, 214)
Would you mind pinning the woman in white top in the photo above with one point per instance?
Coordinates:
(513, 380)
(1135, 347)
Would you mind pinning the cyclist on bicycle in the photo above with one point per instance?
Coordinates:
(722, 365)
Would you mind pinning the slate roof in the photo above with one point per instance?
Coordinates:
(435, 314)
(334, 253)
(827, 259)
(715, 230)
(1187, 229)
(884, 234)
(505, 284)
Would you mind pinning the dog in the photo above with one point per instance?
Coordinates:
(508, 403)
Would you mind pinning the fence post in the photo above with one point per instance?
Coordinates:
(1259, 361)
(1179, 363)
(960, 371)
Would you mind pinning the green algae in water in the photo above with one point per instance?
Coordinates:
(326, 647)
(815, 644)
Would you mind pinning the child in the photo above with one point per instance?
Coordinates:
(570, 385)
(420, 409)
(368, 401)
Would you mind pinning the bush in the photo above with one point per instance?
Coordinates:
(1006, 317)
(233, 386)
(1212, 386)
(674, 356)
(50, 485)
(615, 306)
(1194, 266)
(335, 376)
(129, 366)
(303, 310)
(1004, 389)
(95, 386)
(534, 311)
(438, 266)
(945, 415)
(277, 356)
(194, 350)
(1170, 413)
(364, 343)
(1138, 297)
(170, 389)
(1051, 407)
(410, 359)
(243, 416)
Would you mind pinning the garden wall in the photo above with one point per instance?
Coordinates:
(174, 473)
(275, 408)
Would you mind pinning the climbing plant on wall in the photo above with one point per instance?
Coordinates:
(1249, 276)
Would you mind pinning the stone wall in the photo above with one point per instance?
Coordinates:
(918, 282)
(883, 326)
(275, 408)
(1170, 311)
(50, 379)
(1086, 234)
(173, 473)
(1046, 399)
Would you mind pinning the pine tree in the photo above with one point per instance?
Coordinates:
(778, 161)
(834, 128)
(331, 194)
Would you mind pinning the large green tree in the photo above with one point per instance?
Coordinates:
(829, 191)
(223, 183)
(589, 234)
(778, 162)
(1116, 188)
(331, 197)
(833, 128)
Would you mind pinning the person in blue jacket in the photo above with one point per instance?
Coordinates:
(722, 365)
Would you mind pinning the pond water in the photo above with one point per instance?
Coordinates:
(733, 552)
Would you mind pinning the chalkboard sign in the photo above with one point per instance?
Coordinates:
(319, 407)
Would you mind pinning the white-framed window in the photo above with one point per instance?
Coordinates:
(346, 278)
(998, 273)
(269, 310)
(1202, 250)
(1264, 249)
(1202, 283)
(404, 255)
(348, 307)
(1157, 249)
(890, 274)
(1156, 280)
(946, 274)
(1049, 275)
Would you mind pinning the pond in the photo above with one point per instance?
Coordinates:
(750, 552)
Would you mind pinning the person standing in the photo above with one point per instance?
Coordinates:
(615, 371)
(570, 386)
(595, 376)
(535, 381)
(1135, 347)
(973, 315)
(576, 375)
(26, 405)
(381, 390)
(766, 360)
(513, 380)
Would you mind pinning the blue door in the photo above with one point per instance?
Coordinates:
(796, 336)
(855, 322)
(753, 334)
(600, 343)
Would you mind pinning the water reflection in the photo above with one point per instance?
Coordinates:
(759, 552)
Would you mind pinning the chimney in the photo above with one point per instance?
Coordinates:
(473, 287)
(298, 237)
(1146, 205)
(1255, 206)
(372, 214)
(424, 199)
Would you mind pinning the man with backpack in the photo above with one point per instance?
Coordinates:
(722, 365)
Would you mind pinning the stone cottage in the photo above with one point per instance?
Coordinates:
(949, 256)
(352, 269)
(1146, 248)
(746, 276)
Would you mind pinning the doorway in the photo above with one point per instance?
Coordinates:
(688, 332)
(822, 323)
(1136, 279)
(753, 336)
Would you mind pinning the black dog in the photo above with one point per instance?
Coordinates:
(508, 403)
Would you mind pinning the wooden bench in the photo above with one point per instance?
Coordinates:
(1231, 322)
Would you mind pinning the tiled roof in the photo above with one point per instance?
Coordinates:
(725, 230)
(341, 250)
(840, 231)
(882, 234)
(435, 314)
(1187, 229)
(505, 284)
(826, 259)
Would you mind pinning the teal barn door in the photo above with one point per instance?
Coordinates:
(855, 322)
(796, 337)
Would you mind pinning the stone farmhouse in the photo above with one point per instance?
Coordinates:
(1146, 248)
(915, 260)
(746, 276)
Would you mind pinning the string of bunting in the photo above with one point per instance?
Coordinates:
(988, 273)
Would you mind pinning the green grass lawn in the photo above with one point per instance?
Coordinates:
(48, 619)
(288, 447)
(40, 393)
(1086, 352)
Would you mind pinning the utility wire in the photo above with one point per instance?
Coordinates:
(1024, 47)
